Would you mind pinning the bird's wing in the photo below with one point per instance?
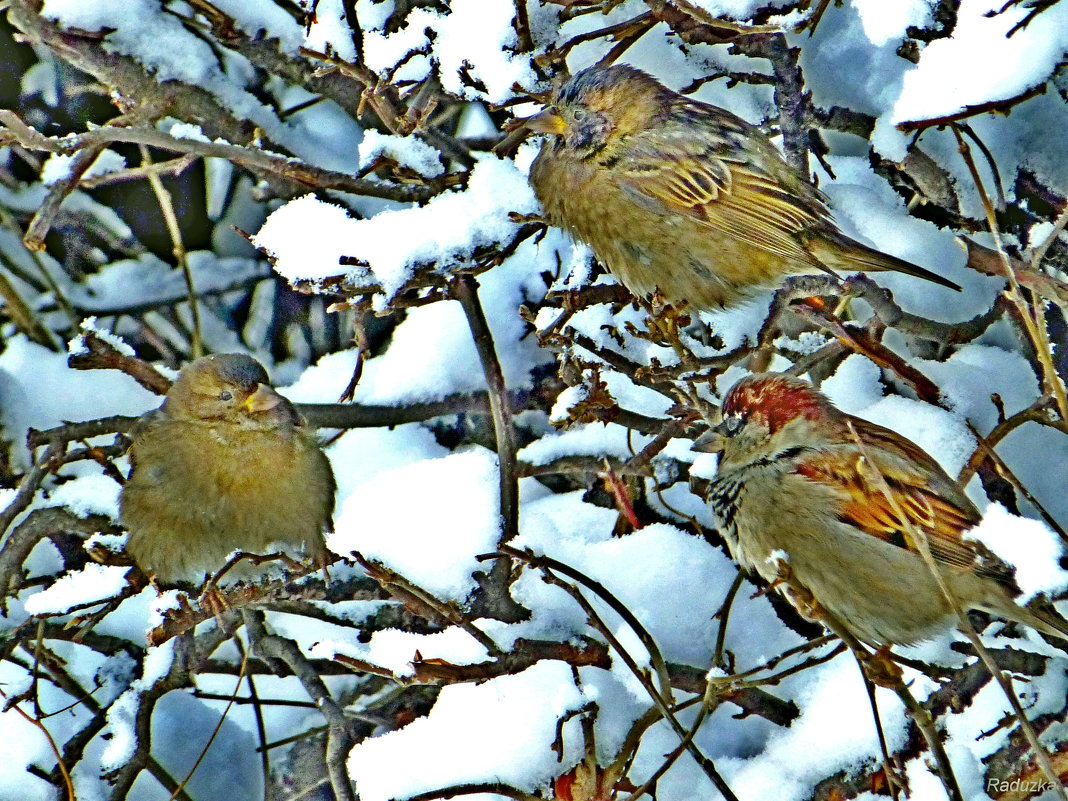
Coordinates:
(893, 490)
(709, 165)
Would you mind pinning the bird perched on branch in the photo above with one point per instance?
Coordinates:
(836, 509)
(681, 196)
(225, 464)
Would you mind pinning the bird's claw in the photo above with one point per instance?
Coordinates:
(881, 668)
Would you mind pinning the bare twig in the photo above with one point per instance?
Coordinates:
(340, 734)
(174, 230)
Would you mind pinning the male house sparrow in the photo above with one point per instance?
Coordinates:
(225, 464)
(679, 195)
(796, 490)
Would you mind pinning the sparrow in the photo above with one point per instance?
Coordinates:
(838, 503)
(225, 464)
(680, 196)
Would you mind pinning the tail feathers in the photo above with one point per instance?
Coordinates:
(1048, 621)
(848, 255)
(1039, 615)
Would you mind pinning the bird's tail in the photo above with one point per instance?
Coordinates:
(841, 253)
(1039, 615)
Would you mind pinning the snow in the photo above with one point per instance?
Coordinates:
(395, 650)
(834, 732)
(868, 209)
(884, 22)
(185, 130)
(451, 226)
(432, 543)
(736, 9)
(57, 168)
(170, 51)
(373, 13)
(658, 555)
(24, 744)
(975, 372)
(471, 35)
(267, 18)
(88, 495)
(942, 434)
(159, 41)
(468, 36)
(475, 719)
(329, 32)
(38, 390)
(93, 582)
(121, 716)
(406, 151)
(1028, 545)
(968, 68)
(77, 347)
(589, 439)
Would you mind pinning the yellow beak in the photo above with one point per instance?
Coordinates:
(262, 400)
(547, 122)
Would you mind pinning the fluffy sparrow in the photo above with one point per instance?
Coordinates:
(681, 196)
(837, 502)
(225, 464)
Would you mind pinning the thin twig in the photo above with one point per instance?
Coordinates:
(340, 734)
(495, 588)
(215, 732)
(1031, 316)
(723, 615)
(662, 698)
(166, 207)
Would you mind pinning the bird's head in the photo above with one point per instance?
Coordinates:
(227, 387)
(599, 107)
(766, 415)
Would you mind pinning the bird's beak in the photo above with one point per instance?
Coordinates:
(547, 122)
(712, 441)
(262, 400)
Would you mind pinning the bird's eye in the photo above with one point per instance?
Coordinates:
(731, 424)
(225, 395)
(578, 113)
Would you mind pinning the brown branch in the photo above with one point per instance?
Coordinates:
(662, 697)
(300, 175)
(42, 220)
(988, 262)
(178, 676)
(587, 465)
(126, 77)
(494, 597)
(475, 788)
(997, 106)
(620, 30)
(171, 168)
(23, 316)
(751, 700)
(341, 731)
(1038, 412)
(99, 354)
(29, 485)
(465, 289)
(796, 115)
(697, 26)
(893, 316)
(318, 415)
(860, 341)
